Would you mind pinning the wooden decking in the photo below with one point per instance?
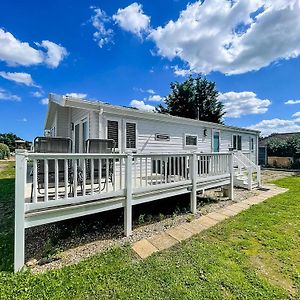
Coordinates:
(51, 187)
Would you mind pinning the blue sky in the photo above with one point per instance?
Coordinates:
(127, 53)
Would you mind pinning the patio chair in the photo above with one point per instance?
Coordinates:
(52, 145)
(100, 146)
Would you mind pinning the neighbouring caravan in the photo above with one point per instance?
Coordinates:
(143, 132)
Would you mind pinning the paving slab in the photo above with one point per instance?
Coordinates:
(206, 221)
(162, 241)
(234, 208)
(144, 248)
(194, 227)
(242, 205)
(227, 212)
(217, 215)
(179, 233)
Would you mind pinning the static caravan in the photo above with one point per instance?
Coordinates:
(156, 156)
(143, 132)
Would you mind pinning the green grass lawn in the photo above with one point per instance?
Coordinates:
(255, 255)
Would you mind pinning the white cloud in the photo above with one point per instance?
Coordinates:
(55, 53)
(276, 126)
(44, 101)
(243, 103)
(77, 95)
(292, 102)
(133, 19)
(296, 115)
(23, 120)
(139, 104)
(180, 72)
(23, 78)
(17, 53)
(231, 37)
(37, 94)
(99, 20)
(150, 91)
(155, 98)
(4, 95)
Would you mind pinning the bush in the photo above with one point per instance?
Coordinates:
(4, 151)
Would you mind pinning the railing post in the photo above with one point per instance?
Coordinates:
(128, 200)
(250, 178)
(193, 168)
(20, 182)
(231, 170)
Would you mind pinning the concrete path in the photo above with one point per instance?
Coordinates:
(172, 236)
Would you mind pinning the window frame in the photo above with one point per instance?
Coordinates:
(190, 146)
(118, 130)
(125, 134)
(237, 142)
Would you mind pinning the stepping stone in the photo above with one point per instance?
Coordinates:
(179, 233)
(162, 241)
(206, 221)
(234, 208)
(242, 205)
(144, 248)
(218, 216)
(227, 212)
(194, 227)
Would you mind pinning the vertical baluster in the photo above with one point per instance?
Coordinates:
(146, 171)
(156, 169)
(34, 181)
(56, 175)
(135, 163)
(66, 177)
(84, 176)
(46, 179)
(100, 174)
(92, 175)
(75, 177)
(161, 169)
(121, 162)
(166, 169)
(107, 173)
(141, 171)
(114, 174)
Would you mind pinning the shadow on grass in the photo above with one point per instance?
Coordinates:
(7, 186)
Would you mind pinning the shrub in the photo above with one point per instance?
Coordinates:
(4, 151)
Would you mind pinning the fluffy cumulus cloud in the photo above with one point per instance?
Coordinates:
(291, 102)
(231, 37)
(155, 98)
(77, 95)
(102, 35)
(23, 78)
(141, 105)
(17, 53)
(276, 125)
(5, 95)
(243, 103)
(44, 101)
(133, 19)
(37, 94)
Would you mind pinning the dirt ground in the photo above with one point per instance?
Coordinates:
(270, 175)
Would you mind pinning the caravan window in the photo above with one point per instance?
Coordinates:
(237, 142)
(131, 135)
(113, 131)
(191, 140)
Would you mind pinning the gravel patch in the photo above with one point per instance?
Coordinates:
(56, 245)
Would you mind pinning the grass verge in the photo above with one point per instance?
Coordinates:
(255, 255)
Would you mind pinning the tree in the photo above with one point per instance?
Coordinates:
(195, 98)
(9, 140)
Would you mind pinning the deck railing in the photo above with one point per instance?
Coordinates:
(51, 186)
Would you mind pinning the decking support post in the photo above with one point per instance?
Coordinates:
(258, 174)
(231, 185)
(250, 179)
(128, 200)
(193, 168)
(20, 182)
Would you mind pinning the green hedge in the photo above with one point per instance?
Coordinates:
(4, 151)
